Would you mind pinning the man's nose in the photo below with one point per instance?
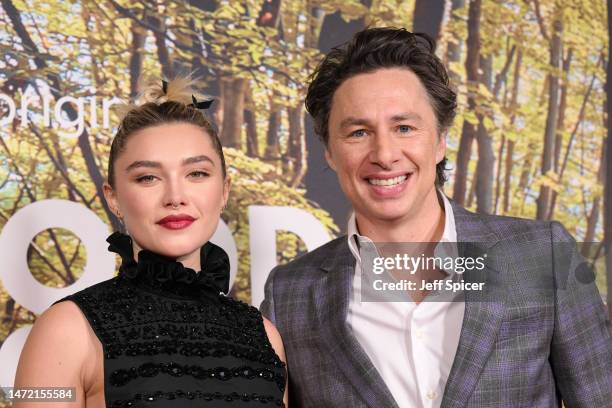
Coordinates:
(384, 151)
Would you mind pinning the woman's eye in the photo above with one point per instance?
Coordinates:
(145, 179)
(359, 133)
(199, 174)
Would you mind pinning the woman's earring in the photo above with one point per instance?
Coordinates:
(119, 217)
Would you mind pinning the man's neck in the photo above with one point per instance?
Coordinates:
(426, 224)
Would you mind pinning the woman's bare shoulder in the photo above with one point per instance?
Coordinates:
(56, 350)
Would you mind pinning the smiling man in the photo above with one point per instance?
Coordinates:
(535, 335)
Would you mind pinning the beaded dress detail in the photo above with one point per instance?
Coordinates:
(172, 339)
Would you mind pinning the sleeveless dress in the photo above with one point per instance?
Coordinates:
(172, 339)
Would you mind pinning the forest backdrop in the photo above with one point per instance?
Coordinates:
(529, 139)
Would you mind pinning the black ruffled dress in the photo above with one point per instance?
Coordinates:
(172, 339)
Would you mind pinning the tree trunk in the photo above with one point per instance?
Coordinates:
(472, 192)
(498, 173)
(559, 131)
(525, 173)
(272, 145)
(139, 36)
(563, 165)
(593, 218)
(162, 49)
(469, 130)
(543, 201)
(251, 133)
(233, 111)
(315, 21)
(297, 145)
(428, 17)
(485, 168)
(562, 106)
(508, 177)
(510, 150)
(501, 77)
(456, 42)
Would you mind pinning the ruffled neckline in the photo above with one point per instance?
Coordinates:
(159, 272)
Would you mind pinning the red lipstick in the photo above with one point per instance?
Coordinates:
(175, 222)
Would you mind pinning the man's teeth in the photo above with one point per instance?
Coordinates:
(388, 182)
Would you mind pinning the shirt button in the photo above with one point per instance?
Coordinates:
(418, 333)
(431, 395)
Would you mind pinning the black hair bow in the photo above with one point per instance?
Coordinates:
(200, 104)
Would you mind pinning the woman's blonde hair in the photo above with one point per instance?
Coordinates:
(161, 103)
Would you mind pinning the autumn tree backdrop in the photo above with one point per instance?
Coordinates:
(529, 139)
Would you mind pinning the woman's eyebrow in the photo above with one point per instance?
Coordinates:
(143, 163)
(197, 159)
(154, 164)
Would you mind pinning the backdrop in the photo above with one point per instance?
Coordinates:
(528, 141)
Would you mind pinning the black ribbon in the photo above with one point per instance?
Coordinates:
(200, 104)
(154, 269)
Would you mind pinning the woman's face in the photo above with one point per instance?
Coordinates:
(169, 190)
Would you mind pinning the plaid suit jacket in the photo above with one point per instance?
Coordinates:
(539, 336)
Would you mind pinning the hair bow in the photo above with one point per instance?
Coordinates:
(200, 104)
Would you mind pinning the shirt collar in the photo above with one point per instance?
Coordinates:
(448, 235)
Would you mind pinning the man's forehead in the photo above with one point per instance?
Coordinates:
(365, 119)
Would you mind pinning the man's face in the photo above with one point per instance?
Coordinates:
(384, 144)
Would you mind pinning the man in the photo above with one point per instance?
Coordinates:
(537, 336)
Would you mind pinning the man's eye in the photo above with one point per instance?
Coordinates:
(145, 179)
(404, 128)
(359, 133)
(199, 174)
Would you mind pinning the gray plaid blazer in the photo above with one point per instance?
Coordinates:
(541, 338)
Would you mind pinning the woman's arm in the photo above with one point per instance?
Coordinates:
(59, 352)
(277, 344)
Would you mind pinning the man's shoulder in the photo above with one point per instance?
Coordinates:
(512, 228)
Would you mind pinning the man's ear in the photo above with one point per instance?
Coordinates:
(441, 147)
(329, 159)
(111, 199)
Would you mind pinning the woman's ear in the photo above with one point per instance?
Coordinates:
(111, 199)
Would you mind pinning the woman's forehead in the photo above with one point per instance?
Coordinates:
(176, 143)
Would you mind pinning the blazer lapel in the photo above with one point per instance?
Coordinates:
(331, 299)
(483, 310)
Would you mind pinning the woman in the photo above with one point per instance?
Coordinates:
(160, 334)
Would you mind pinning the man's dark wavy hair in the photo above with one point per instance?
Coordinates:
(376, 48)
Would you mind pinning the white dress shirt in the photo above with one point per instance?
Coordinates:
(411, 345)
